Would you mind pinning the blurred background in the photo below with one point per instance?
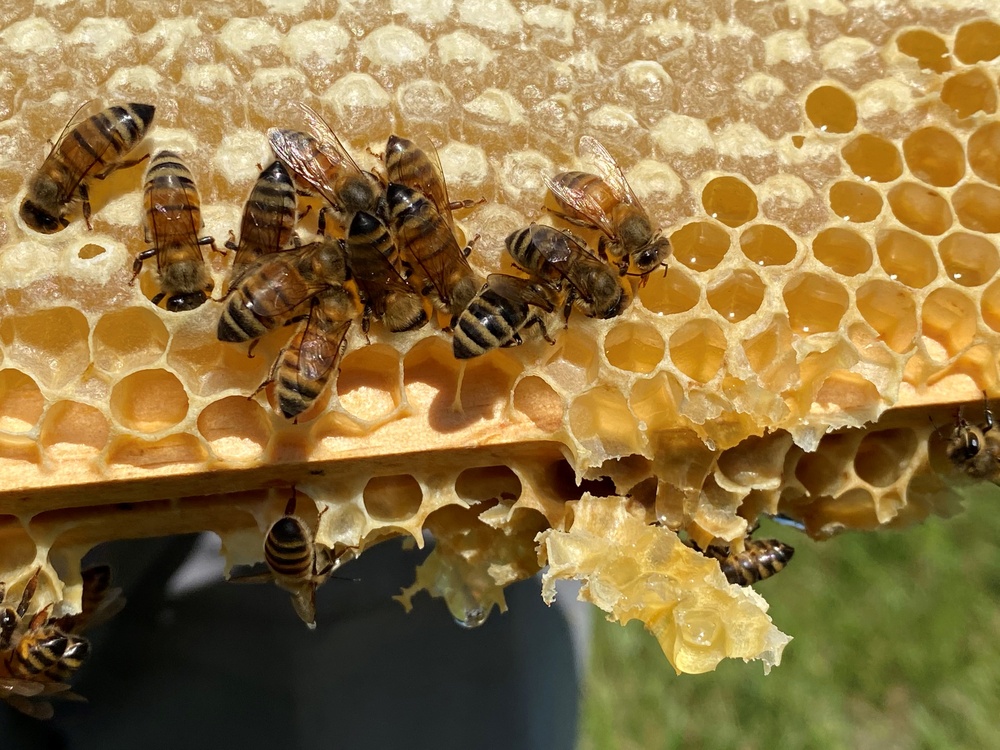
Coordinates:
(896, 645)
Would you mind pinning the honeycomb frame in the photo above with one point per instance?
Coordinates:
(831, 201)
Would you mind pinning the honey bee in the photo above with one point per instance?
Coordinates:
(171, 226)
(606, 202)
(554, 256)
(268, 218)
(93, 149)
(272, 289)
(386, 294)
(760, 559)
(304, 367)
(294, 561)
(10, 618)
(407, 164)
(975, 449)
(426, 238)
(322, 163)
(498, 313)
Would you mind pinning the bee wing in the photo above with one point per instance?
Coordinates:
(304, 603)
(286, 289)
(14, 686)
(36, 709)
(376, 276)
(608, 169)
(437, 188)
(582, 202)
(565, 254)
(514, 287)
(328, 141)
(81, 113)
(256, 573)
(100, 601)
(298, 152)
(321, 344)
(438, 272)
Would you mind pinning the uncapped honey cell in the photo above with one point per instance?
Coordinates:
(634, 347)
(767, 245)
(968, 259)
(928, 48)
(21, 402)
(672, 294)
(978, 41)
(883, 455)
(149, 401)
(984, 152)
(871, 157)
(697, 349)
(729, 200)
(816, 304)
(906, 257)
(920, 208)
(978, 207)
(949, 317)
(843, 250)
(700, 245)
(539, 402)
(831, 110)
(129, 338)
(392, 498)
(889, 308)
(855, 201)
(969, 92)
(934, 156)
(236, 428)
(736, 296)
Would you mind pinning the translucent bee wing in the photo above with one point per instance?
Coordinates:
(516, 288)
(82, 113)
(328, 141)
(256, 573)
(285, 290)
(583, 203)
(375, 275)
(608, 169)
(36, 709)
(304, 603)
(15, 686)
(438, 272)
(321, 346)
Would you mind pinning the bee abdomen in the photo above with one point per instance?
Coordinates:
(487, 323)
(77, 651)
(36, 655)
(287, 549)
(762, 559)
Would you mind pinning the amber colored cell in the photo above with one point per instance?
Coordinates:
(484, 483)
(729, 200)
(21, 402)
(129, 338)
(393, 498)
(984, 152)
(825, 471)
(700, 245)
(90, 251)
(602, 416)
(236, 428)
(990, 303)
(369, 381)
(697, 349)
(978, 207)
(969, 92)
(74, 423)
(51, 344)
(539, 402)
(873, 158)
(149, 401)
(934, 156)
(573, 363)
(921, 209)
(654, 401)
(843, 250)
(906, 258)
(634, 347)
(173, 449)
(855, 201)
(737, 296)
(674, 293)
(889, 309)
(968, 259)
(928, 48)
(949, 317)
(884, 455)
(815, 303)
(977, 41)
(768, 245)
(831, 110)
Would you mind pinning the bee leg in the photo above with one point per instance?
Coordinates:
(137, 264)
(536, 320)
(296, 242)
(85, 197)
(366, 322)
(28, 594)
(231, 242)
(120, 165)
(158, 298)
(988, 415)
(321, 221)
(270, 379)
(515, 340)
(407, 269)
(467, 250)
(210, 241)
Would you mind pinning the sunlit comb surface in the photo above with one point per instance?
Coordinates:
(828, 178)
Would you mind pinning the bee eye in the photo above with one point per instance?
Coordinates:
(183, 302)
(972, 446)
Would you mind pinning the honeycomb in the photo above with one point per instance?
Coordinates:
(828, 176)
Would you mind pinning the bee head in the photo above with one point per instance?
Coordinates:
(965, 443)
(652, 255)
(40, 219)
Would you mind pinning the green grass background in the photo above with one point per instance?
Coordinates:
(896, 645)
